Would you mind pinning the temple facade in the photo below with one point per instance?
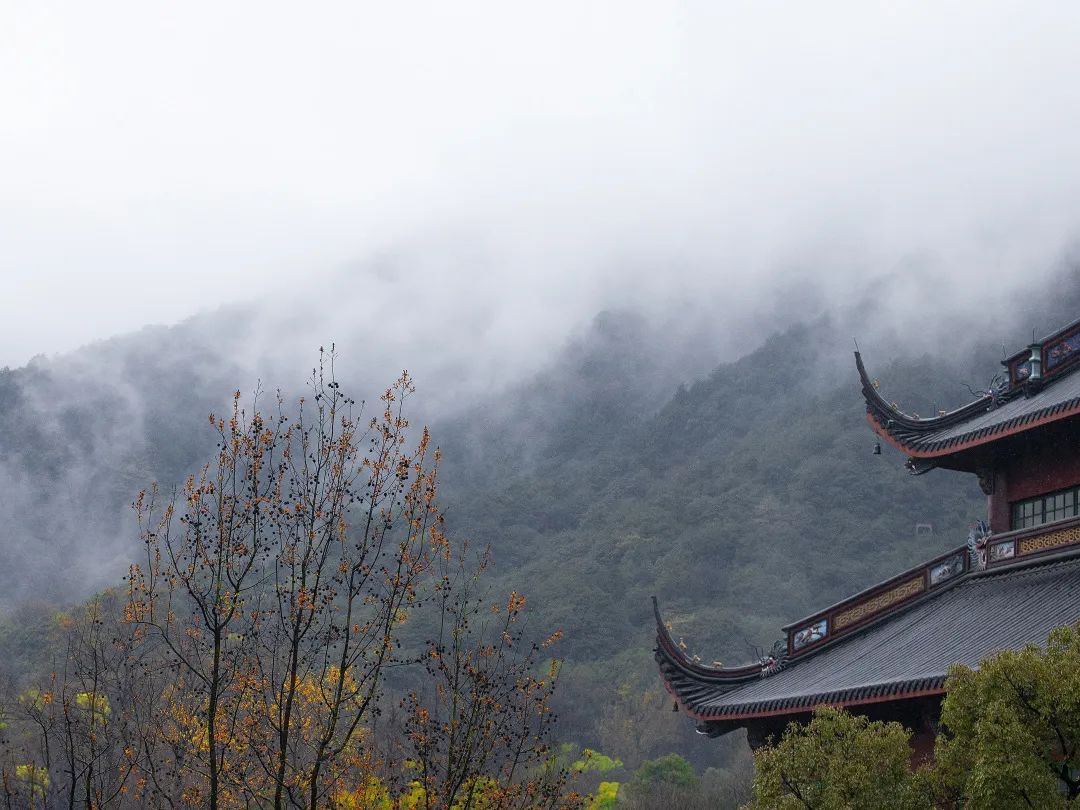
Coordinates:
(885, 651)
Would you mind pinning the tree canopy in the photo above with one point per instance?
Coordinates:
(1014, 727)
(838, 761)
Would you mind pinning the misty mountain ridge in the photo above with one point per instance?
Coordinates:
(742, 498)
(708, 492)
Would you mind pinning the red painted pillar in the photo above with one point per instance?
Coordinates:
(997, 504)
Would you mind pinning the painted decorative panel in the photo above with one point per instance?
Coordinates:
(871, 606)
(947, 569)
(1042, 542)
(811, 633)
(1063, 350)
(1002, 551)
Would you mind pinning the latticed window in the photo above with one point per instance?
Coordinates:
(1045, 508)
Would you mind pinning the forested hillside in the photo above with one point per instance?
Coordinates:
(742, 500)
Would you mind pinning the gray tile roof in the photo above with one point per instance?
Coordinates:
(1062, 394)
(977, 421)
(907, 652)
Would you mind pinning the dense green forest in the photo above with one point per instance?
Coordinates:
(742, 499)
(747, 499)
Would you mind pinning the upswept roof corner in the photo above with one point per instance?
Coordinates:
(687, 679)
(991, 417)
(906, 431)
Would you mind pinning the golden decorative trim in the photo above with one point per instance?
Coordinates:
(880, 602)
(1041, 542)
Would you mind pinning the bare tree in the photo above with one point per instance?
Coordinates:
(278, 599)
(247, 662)
(478, 730)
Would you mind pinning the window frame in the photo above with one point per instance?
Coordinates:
(1049, 507)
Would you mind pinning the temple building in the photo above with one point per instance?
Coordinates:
(885, 651)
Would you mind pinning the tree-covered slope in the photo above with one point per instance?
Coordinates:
(744, 501)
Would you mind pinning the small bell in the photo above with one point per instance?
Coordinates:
(877, 448)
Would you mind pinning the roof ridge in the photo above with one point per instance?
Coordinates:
(1068, 556)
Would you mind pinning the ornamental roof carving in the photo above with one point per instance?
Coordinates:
(1034, 394)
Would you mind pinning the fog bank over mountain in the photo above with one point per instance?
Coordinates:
(81, 433)
(538, 212)
(500, 174)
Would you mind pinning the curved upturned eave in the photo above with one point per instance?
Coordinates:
(670, 653)
(885, 412)
(915, 437)
(894, 426)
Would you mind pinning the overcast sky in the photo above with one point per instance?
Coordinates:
(528, 163)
